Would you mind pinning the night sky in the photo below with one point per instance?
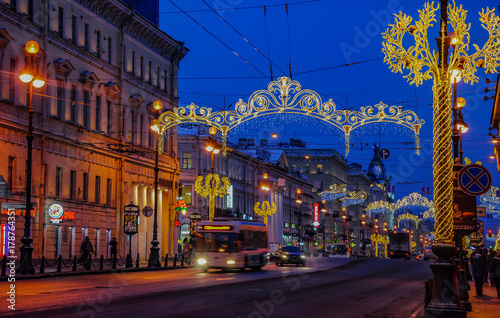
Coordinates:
(319, 38)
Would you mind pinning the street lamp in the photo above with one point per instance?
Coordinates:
(29, 75)
(299, 227)
(154, 256)
(212, 147)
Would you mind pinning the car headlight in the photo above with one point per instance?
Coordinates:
(231, 262)
(202, 261)
(302, 256)
(283, 256)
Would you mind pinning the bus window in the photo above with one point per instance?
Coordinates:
(217, 242)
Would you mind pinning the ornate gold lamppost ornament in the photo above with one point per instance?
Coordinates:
(267, 208)
(379, 239)
(424, 63)
(214, 185)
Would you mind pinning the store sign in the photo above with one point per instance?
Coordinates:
(229, 197)
(130, 219)
(56, 213)
(18, 209)
(316, 215)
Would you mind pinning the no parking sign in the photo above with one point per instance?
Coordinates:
(474, 179)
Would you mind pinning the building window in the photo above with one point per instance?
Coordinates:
(13, 80)
(98, 113)
(60, 100)
(320, 169)
(187, 194)
(133, 62)
(97, 189)
(150, 72)
(86, 101)
(108, 117)
(142, 67)
(151, 135)
(165, 81)
(158, 81)
(108, 192)
(30, 9)
(73, 28)
(74, 105)
(306, 168)
(110, 49)
(60, 21)
(13, 4)
(98, 43)
(87, 37)
(72, 185)
(10, 172)
(293, 168)
(58, 181)
(85, 195)
(187, 160)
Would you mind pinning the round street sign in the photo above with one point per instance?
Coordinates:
(147, 211)
(384, 153)
(474, 179)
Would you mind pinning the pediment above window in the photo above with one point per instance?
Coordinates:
(88, 79)
(5, 38)
(136, 100)
(112, 90)
(63, 69)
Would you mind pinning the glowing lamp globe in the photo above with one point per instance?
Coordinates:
(32, 47)
(216, 151)
(157, 105)
(460, 102)
(212, 130)
(25, 76)
(38, 82)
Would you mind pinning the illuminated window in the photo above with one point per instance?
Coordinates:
(320, 169)
(187, 160)
(187, 194)
(306, 168)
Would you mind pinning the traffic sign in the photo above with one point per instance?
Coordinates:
(384, 153)
(474, 179)
(147, 211)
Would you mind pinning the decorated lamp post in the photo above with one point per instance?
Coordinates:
(267, 208)
(425, 63)
(29, 75)
(214, 185)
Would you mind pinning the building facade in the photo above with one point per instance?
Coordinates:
(93, 151)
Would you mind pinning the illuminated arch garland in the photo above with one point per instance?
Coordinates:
(336, 191)
(409, 216)
(287, 96)
(353, 198)
(414, 199)
(383, 207)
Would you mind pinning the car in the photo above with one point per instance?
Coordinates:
(271, 256)
(290, 255)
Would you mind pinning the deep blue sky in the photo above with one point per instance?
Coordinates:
(316, 35)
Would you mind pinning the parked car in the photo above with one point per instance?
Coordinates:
(290, 255)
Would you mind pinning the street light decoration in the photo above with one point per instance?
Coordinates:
(181, 206)
(266, 210)
(287, 96)
(491, 202)
(353, 198)
(424, 63)
(214, 186)
(336, 191)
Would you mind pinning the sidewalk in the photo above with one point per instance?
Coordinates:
(485, 306)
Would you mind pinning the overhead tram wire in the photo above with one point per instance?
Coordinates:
(220, 41)
(228, 8)
(244, 38)
(289, 42)
(267, 41)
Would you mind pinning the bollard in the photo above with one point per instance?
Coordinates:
(182, 260)
(59, 263)
(101, 263)
(42, 265)
(137, 261)
(89, 262)
(175, 260)
(4, 265)
(166, 260)
(74, 264)
(128, 261)
(114, 262)
(428, 291)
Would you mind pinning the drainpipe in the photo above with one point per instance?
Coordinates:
(121, 127)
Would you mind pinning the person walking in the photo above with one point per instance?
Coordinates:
(489, 266)
(495, 272)
(86, 249)
(478, 262)
(113, 250)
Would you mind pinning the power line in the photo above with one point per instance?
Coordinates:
(244, 38)
(220, 41)
(241, 8)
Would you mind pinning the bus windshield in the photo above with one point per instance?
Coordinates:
(217, 242)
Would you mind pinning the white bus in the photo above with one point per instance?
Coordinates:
(227, 243)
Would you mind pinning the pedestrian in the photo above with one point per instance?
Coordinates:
(187, 250)
(478, 262)
(113, 250)
(86, 249)
(489, 265)
(495, 271)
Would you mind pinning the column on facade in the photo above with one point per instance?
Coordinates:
(139, 242)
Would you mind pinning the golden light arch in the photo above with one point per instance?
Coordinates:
(287, 96)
